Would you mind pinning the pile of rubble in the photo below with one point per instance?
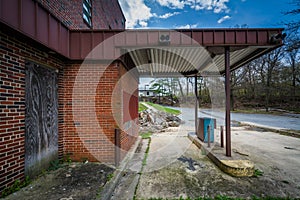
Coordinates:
(157, 121)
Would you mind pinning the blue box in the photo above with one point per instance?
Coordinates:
(203, 124)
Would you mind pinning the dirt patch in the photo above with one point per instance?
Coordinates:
(73, 181)
(196, 176)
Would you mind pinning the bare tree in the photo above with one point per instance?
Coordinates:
(273, 61)
(293, 57)
(294, 25)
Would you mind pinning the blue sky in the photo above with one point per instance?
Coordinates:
(206, 13)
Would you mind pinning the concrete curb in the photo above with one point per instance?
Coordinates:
(288, 132)
(111, 185)
(234, 166)
(282, 131)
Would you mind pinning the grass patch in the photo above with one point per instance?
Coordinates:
(146, 135)
(144, 162)
(261, 111)
(221, 197)
(164, 109)
(142, 107)
(255, 111)
(146, 153)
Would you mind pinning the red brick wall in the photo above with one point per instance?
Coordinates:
(129, 107)
(105, 13)
(91, 112)
(88, 131)
(13, 55)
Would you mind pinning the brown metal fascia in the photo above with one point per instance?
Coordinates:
(29, 40)
(211, 40)
(20, 14)
(17, 27)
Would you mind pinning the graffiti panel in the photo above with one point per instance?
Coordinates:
(41, 122)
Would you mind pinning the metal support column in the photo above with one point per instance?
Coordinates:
(227, 91)
(196, 105)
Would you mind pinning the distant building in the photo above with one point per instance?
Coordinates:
(147, 93)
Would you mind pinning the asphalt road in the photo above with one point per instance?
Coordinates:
(275, 121)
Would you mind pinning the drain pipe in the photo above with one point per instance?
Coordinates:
(196, 105)
(117, 147)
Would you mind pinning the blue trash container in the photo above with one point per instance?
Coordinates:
(203, 124)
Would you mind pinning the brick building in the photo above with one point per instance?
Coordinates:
(68, 88)
(37, 77)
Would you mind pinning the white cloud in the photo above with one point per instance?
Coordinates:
(220, 6)
(216, 6)
(175, 4)
(227, 17)
(167, 15)
(136, 12)
(187, 26)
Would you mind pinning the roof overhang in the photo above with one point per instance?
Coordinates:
(186, 52)
(201, 51)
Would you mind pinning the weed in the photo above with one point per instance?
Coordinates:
(146, 152)
(54, 165)
(109, 177)
(98, 196)
(145, 160)
(67, 158)
(43, 172)
(258, 173)
(15, 187)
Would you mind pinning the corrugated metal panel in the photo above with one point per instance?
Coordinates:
(169, 60)
(234, 58)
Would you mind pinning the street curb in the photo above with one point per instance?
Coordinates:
(286, 132)
(111, 185)
(231, 166)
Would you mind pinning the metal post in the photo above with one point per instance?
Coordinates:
(196, 106)
(208, 136)
(117, 147)
(227, 91)
(222, 136)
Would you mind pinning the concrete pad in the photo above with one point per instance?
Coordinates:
(234, 165)
(164, 150)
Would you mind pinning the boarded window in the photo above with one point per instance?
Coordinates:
(41, 121)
